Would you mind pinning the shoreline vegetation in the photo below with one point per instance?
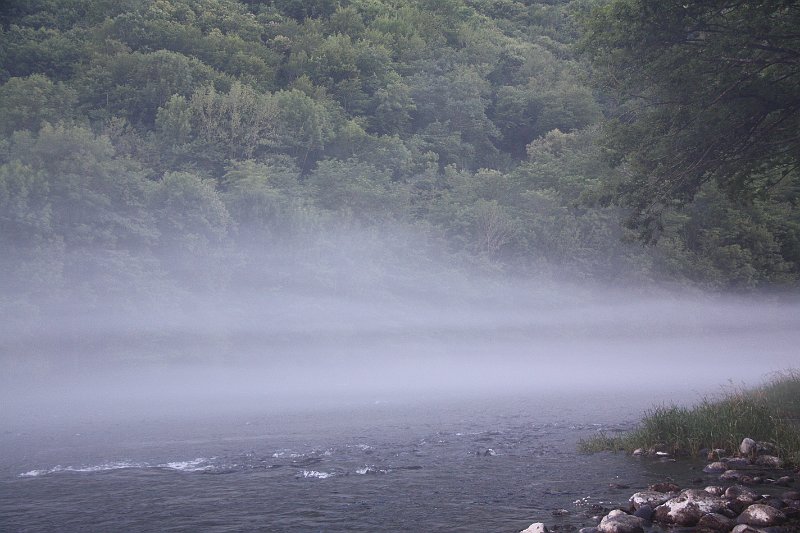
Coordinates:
(768, 413)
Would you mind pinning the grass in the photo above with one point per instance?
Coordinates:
(768, 413)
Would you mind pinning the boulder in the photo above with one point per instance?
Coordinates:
(650, 497)
(715, 490)
(737, 462)
(748, 446)
(741, 528)
(773, 501)
(536, 527)
(717, 467)
(791, 495)
(645, 512)
(664, 487)
(730, 475)
(769, 461)
(761, 516)
(715, 522)
(588, 530)
(619, 522)
(688, 507)
(784, 481)
(741, 494)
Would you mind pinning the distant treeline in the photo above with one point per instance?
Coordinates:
(153, 144)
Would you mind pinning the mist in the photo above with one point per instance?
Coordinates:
(354, 327)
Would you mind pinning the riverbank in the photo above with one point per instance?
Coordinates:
(751, 440)
(769, 413)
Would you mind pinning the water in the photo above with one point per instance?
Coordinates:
(435, 464)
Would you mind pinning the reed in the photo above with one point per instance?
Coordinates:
(768, 413)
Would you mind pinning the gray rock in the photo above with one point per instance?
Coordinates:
(619, 522)
(784, 481)
(645, 512)
(730, 475)
(717, 467)
(741, 494)
(791, 495)
(536, 527)
(769, 461)
(665, 487)
(588, 530)
(773, 501)
(737, 462)
(761, 515)
(748, 446)
(741, 528)
(715, 490)
(715, 522)
(650, 497)
(688, 507)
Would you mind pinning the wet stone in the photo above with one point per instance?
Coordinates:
(645, 512)
(664, 487)
(761, 515)
(769, 461)
(619, 522)
(537, 527)
(688, 508)
(741, 494)
(717, 467)
(715, 522)
(650, 497)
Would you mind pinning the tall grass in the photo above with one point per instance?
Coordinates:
(769, 413)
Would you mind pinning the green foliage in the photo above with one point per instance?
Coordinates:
(27, 102)
(135, 136)
(703, 91)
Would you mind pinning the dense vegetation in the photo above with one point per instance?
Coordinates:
(769, 413)
(140, 139)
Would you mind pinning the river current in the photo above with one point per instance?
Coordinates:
(435, 464)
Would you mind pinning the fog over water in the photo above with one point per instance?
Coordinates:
(398, 333)
(354, 395)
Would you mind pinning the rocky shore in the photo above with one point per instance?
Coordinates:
(748, 491)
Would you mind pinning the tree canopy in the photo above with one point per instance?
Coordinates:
(700, 91)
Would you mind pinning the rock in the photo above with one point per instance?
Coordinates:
(769, 461)
(761, 515)
(737, 462)
(741, 494)
(791, 495)
(765, 448)
(559, 512)
(730, 475)
(619, 522)
(773, 501)
(638, 451)
(650, 497)
(717, 467)
(748, 446)
(537, 527)
(715, 490)
(741, 528)
(792, 512)
(664, 487)
(618, 486)
(784, 481)
(688, 507)
(645, 512)
(715, 522)
(588, 530)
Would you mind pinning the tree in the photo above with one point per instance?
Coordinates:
(701, 91)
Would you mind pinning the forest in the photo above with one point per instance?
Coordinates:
(148, 148)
